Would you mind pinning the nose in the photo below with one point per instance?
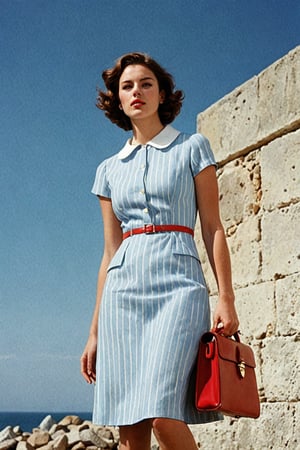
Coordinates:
(136, 91)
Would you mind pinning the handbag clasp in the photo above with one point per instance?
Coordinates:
(242, 368)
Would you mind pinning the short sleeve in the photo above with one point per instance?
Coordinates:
(101, 185)
(201, 154)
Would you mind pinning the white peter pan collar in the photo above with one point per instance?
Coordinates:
(161, 140)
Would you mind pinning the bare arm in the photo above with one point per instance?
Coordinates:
(112, 241)
(216, 247)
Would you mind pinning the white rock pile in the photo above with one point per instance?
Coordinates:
(70, 433)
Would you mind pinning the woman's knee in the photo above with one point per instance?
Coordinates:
(136, 436)
(163, 426)
(173, 434)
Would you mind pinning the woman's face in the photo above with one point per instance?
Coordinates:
(139, 93)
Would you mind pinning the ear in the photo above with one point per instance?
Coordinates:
(162, 96)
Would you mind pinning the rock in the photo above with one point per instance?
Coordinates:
(106, 435)
(57, 427)
(8, 444)
(71, 420)
(60, 443)
(57, 434)
(115, 433)
(84, 426)
(17, 430)
(47, 423)
(83, 436)
(7, 433)
(73, 437)
(26, 435)
(39, 438)
(48, 446)
(24, 445)
(90, 437)
(79, 446)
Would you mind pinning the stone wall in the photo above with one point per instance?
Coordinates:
(255, 134)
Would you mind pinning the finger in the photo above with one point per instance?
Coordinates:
(218, 325)
(91, 371)
(83, 369)
(91, 366)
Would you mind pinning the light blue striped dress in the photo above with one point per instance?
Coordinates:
(155, 305)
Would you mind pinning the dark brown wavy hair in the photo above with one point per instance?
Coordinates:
(109, 101)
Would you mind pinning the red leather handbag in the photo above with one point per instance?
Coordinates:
(226, 380)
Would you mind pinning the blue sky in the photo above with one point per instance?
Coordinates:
(53, 137)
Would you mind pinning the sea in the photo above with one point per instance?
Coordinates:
(29, 420)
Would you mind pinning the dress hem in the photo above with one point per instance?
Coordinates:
(209, 416)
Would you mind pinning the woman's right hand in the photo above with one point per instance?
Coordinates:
(88, 360)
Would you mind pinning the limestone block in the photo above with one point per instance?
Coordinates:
(240, 190)
(216, 435)
(256, 347)
(256, 309)
(255, 112)
(281, 365)
(232, 123)
(275, 429)
(207, 271)
(244, 246)
(296, 424)
(280, 242)
(288, 305)
(280, 166)
(279, 93)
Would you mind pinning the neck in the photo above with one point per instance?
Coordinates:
(144, 132)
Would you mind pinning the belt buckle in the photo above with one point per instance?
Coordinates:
(149, 228)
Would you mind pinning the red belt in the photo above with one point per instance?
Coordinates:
(150, 229)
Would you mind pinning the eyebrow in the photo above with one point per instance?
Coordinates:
(142, 79)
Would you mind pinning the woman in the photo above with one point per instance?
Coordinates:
(154, 301)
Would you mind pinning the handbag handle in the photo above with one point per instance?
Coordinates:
(236, 335)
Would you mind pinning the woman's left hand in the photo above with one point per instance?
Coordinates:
(225, 318)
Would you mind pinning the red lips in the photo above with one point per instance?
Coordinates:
(137, 102)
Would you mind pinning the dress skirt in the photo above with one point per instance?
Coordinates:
(153, 312)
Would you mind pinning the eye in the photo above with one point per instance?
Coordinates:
(147, 84)
(126, 87)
